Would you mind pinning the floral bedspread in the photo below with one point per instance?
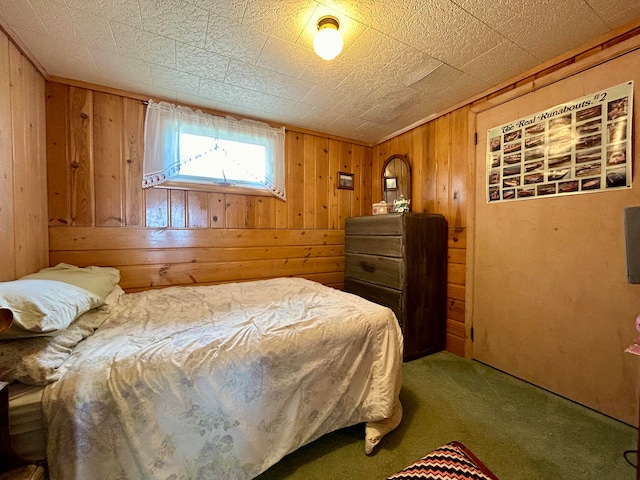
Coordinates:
(221, 382)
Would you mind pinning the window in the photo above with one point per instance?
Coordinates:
(186, 146)
(221, 161)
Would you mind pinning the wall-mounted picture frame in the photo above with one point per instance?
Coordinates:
(345, 180)
(390, 183)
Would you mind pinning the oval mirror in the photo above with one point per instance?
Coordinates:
(396, 178)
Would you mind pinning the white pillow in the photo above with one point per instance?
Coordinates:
(42, 307)
(99, 280)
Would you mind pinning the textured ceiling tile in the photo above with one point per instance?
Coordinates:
(327, 74)
(413, 114)
(324, 96)
(379, 114)
(616, 12)
(153, 91)
(448, 33)
(410, 66)
(284, 57)
(615, 20)
(376, 131)
(557, 36)
(116, 66)
(74, 26)
(260, 102)
(267, 81)
(391, 106)
(276, 105)
(368, 74)
(329, 130)
(89, 30)
(386, 16)
(221, 92)
(277, 120)
(21, 15)
(423, 106)
(62, 59)
(317, 116)
(101, 79)
(143, 45)
(230, 9)
(359, 100)
(285, 19)
(364, 80)
(500, 63)
(239, 111)
(172, 79)
(175, 19)
(196, 101)
(356, 104)
(503, 12)
(197, 61)
(546, 28)
(93, 31)
(294, 110)
(233, 40)
(605, 8)
(498, 12)
(57, 19)
(448, 85)
(347, 123)
(372, 50)
(123, 11)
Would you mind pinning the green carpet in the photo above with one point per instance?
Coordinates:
(519, 431)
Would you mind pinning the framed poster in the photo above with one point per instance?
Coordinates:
(578, 147)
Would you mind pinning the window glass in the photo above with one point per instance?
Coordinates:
(221, 160)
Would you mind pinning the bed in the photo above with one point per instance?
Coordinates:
(213, 381)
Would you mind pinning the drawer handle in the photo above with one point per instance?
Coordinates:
(367, 267)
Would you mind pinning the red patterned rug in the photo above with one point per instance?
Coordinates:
(452, 461)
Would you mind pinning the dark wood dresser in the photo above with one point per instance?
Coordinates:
(400, 260)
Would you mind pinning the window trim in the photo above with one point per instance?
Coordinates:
(215, 188)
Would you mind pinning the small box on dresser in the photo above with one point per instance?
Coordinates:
(400, 260)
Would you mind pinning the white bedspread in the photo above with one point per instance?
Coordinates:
(220, 382)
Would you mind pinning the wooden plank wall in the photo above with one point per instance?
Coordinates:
(438, 152)
(100, 215)
(23, 200)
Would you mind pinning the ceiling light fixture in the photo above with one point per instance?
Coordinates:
(328, 41)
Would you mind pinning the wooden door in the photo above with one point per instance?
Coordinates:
(551, 303)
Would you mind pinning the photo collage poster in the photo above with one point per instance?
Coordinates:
(578, 147)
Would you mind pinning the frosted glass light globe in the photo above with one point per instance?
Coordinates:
(328, 42)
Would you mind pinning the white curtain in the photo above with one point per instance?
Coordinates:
(165, 122)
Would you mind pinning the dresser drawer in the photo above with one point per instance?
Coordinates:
(388, 224)
(388, 297)
(387, 246)
(385, 271)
